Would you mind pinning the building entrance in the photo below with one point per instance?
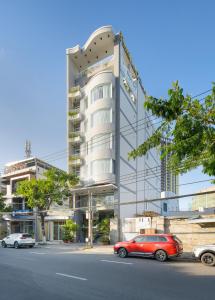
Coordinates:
(58, 232)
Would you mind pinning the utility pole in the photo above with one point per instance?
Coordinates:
(35, 224)
(90, 220)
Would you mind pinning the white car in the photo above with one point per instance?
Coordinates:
(18, 240)
(205, 253)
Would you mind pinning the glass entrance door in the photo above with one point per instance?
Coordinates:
(58, 233)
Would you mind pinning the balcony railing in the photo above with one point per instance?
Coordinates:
(75, 92)
(75, 160)
(75, 89)
(74, 115)
(89, 72)
(74, 134)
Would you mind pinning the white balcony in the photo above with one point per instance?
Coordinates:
(75, 92)
(75, 116)
(75, 160)
(76, 139)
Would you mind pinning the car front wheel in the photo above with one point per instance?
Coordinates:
(160, 255)
(122, 252)
(4, 245)
(16, 245)
(208, 259)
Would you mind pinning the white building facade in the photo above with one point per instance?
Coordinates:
(105, 121)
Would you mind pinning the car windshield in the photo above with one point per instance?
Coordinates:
(26, 235)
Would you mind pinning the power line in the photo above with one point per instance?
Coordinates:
(167, 198)
(58, 153)
(129, 125)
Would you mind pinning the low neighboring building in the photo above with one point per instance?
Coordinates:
(2, 187)
(192, 228)
(22, 218)
(202, 202)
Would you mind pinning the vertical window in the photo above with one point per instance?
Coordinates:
(165, 207)
(101, 166)
(101, 117)
(101, 142)
(101, 92)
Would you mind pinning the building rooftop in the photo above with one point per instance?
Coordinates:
(20, 165)
(98, 46)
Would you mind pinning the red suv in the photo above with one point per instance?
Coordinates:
(159, 246)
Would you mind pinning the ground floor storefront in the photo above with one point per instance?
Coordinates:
(22, 226)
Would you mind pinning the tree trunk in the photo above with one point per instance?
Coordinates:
(42, 215)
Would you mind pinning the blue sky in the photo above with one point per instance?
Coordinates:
(168, 40)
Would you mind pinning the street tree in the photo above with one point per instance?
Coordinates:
(3, 206)
(188, 124)
(42, 193)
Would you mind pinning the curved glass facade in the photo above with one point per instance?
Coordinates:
(101, 92)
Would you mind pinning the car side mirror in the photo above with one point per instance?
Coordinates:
(133, 241)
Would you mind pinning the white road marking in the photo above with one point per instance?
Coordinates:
(116, 262)
(71, 276)
(39, 253)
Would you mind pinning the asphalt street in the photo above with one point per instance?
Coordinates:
(57, 273)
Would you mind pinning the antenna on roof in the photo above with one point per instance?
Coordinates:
(28, 149)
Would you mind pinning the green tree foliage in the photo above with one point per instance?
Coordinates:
(104, 230)
(104, 226)
(42, 193)
(188, 124)
(3, 206)
(69, 229)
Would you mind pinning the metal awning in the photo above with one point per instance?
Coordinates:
(56, 218)
(95, 188)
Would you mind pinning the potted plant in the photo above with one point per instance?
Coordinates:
(104, 230)
(105, 240)
(69, 229)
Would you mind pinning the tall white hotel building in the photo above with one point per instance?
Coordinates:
(105, 121)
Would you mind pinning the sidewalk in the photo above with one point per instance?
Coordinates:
(100, 249)
(66, 246)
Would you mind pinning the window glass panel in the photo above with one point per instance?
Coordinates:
(101, 117)
(101, 92)
(101, 142)
(140, 239)
(106, 200)
(101, 166)
(162, 239)
(152, 238)
(165, 207)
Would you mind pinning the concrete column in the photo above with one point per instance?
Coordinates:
(73, 201)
